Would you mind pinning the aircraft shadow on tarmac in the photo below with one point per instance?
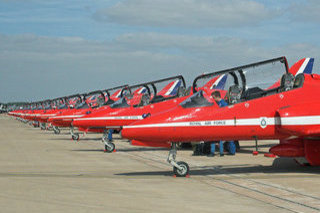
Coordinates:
(279, 166)
(121, 149)
(69, 138)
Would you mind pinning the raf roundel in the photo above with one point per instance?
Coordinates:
(263, 122)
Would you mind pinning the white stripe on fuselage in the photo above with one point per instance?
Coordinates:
(301, 120)
(139, 117)
(68, 116)
(262, 121)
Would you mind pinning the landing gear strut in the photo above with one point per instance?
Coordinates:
(74, 136)
(180, 168)
(43, 126)
(107, 140)
(56, 130)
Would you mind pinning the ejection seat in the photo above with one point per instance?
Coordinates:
(145, 100)
(298, 81)
(234, 94)
(287, 82)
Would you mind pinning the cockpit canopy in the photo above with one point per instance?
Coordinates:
(151, 92)
(82, 105)
(243, 83)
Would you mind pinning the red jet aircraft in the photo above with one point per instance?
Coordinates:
(257, 110)
(125, 113)
(80, 105)
(134, 106)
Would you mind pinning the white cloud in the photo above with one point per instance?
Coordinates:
(35, 67)
(306, 11)
(187, 13)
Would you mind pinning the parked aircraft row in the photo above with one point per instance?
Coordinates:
(266, 100)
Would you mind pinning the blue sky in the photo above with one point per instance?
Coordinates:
(55, 47)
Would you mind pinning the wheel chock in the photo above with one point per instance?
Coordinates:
(114, 150)
(270, 155)
(255, 153)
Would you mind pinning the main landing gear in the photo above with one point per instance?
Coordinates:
(180, 168)
(74, 136)
(56, 130)
(107, 140)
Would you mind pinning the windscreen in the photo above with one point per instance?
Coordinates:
(63, 106)
(264, 76)
(82, 105)
(121, 103)
(196, 100)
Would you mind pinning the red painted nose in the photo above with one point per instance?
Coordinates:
(131, 133)
(81, 123)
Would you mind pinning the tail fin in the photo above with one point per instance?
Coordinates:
(304, 65)
(216, 83)
(170, 89)
(116, 94)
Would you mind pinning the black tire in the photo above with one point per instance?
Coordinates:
(75, 137)
(181, 173)
(111, 148)
(301, 164)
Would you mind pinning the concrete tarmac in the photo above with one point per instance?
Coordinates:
(43, 172)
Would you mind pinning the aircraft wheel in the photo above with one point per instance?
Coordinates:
(75, 137)
(181, 172)
(56, 131)
(42, 127)
(110, 147)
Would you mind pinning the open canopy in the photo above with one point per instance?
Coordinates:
(241, 83)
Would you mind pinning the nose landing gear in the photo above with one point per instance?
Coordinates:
(74, 136)
(107, 140)
(56, 130)
(180, 168)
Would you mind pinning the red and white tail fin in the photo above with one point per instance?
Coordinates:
(116, 94)
(218, 82)
(170, 89)
(304, 65)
